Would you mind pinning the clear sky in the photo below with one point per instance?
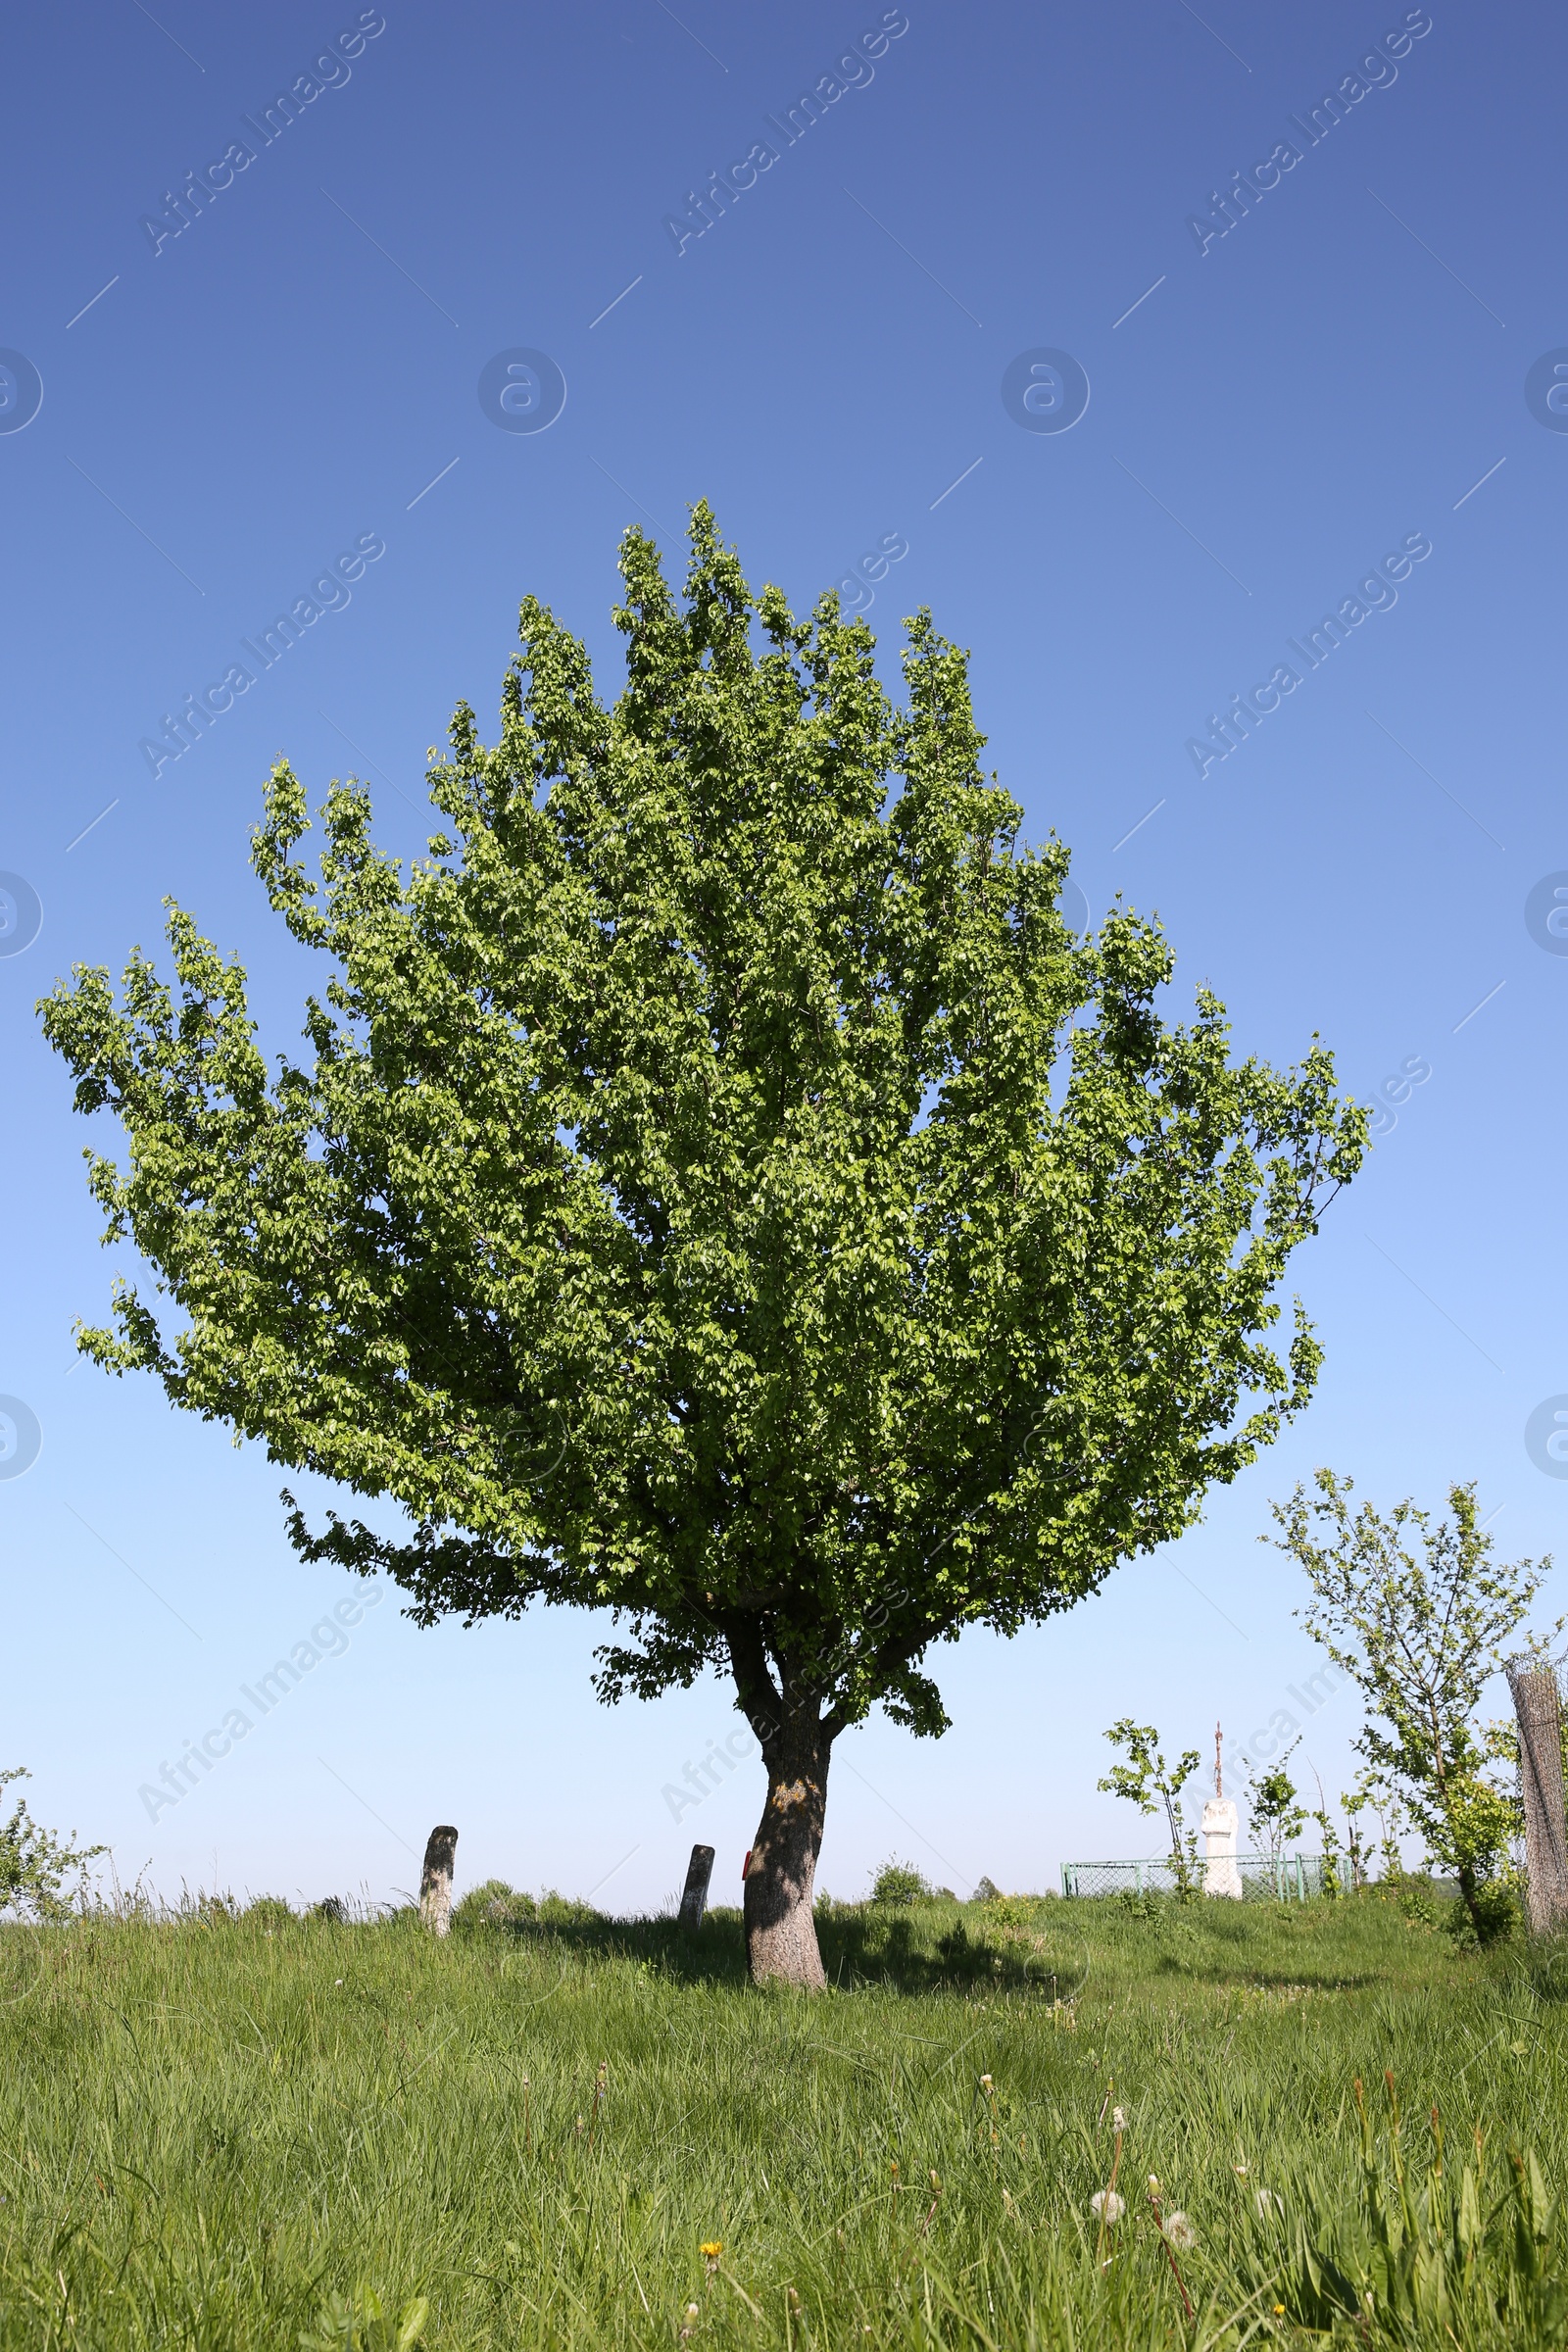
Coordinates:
(309, 362)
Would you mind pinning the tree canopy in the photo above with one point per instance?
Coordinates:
(721, 1189)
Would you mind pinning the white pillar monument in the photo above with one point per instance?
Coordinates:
(1221, 1874)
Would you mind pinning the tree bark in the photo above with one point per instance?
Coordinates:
(435, 1880)
(780, 1885)
(1469, 1897)
(1538, 1711)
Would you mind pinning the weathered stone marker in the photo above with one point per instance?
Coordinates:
(694, 1901)
(1538, 1709)
(1221, 1874)
(435, 1880)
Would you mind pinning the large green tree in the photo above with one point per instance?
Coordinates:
(721, 1190)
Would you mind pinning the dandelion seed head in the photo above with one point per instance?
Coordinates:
(1118, 2121)
(1179, 2231)
(1106, 2206)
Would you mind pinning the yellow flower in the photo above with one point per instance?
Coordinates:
(712, 2249)
(1278, 2311)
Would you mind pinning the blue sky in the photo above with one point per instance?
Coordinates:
(295, 375)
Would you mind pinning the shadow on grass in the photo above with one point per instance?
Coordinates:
(912, 1949)
(1041, 1948)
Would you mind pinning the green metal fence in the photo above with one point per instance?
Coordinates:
(1293, 1879)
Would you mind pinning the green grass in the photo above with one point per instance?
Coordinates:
(212, 2127)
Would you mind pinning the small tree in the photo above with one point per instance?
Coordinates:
(1147, 1782)
(723, 1190)
(35, 1864)
(1346, 1872)
(1421, 1632)
(1274, 1814)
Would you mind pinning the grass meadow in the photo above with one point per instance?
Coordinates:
(257, 2130)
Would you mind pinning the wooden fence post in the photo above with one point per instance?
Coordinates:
(694, 1901)
(435, 1880)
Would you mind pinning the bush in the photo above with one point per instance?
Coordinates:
(492, 1906)
(899, 1883)
(1137, 1904)
(563, 1910)
(268, 1911)
(1416, 1895)
(1008, 1910)
(497, 1906)
(35, 1864)
(1499, 1915)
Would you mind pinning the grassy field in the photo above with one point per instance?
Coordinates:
(255, 2131)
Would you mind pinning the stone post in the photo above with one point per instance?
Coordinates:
(435, 1880)
(694, 1901)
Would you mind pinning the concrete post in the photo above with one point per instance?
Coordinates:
(694, 1901)
(1221, 1874)
(435, 1880)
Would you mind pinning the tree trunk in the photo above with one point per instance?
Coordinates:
(780, 1884)
(1469, 1897)
(1538, 1709)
